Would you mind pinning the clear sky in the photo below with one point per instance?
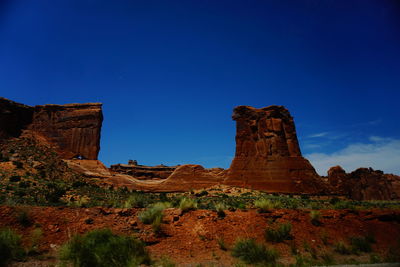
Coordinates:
(169, 73)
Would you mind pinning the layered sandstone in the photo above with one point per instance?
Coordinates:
(74, 129)
(143, 172)
(268, 155)
(364, 184)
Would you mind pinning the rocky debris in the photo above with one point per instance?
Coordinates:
(365, 184)
(143, 172)
(268, 155)
(73, 128)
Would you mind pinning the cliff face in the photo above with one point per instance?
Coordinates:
(268, 155)
(14, 117)
(74, 129)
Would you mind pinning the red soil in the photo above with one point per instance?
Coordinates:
(192, 237)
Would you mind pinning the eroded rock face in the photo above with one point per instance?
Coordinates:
(365, 184)
(74, 129)
(14, 117)
(143, 172)
(268, 155)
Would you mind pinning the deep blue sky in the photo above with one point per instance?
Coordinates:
(169, 73)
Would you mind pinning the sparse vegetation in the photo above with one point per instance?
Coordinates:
(315, 217)
(135, 201)
(342, 248)
(360, 244)
(252, 253)
(264, 205)
(153, 213)
(220, 208)
(24, 218)
(221, 243)
(187, 204)
(102, 248)
(278, 234)
(10, 247)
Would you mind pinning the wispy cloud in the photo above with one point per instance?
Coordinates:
(379, 153)
(317, 135)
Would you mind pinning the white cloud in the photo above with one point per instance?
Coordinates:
(380, 153)
(318, 135)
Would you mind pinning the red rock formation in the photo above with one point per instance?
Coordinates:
(14, 117)
(268, 155)
(364, 184)
(73, 128)
(143, 172)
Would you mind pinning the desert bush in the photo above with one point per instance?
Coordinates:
(187, 204)
(35, 238)
(102, 248)
(153, 212)
(278, 234)
(250, 252)
(220, 209)
(135, 201)
(10, 247)
(315, 217)
(264, 205)
(165, 262)
(15, 178)
(360, 244)
(221, 243)
(156, 225)
(342, 248)
(327, 259)
(24, 218)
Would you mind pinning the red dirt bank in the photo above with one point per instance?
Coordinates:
(191, 238)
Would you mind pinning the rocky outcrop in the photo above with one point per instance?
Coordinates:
(74, 129)
(364, 184)
(268, 155)
(14, 117)
(143, 172)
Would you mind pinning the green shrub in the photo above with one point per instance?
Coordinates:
(10, 247)
(315, 217)
(279, 234)
(360, 244)
(152, 213)
(156, 225)
(187, 204)
(135, 201)
(220, 209)
(24, 218)
(35, 238)
(14, 179)
(264, 205)
(102, 248)
(342, 248)
(250, 252)
(221, 243)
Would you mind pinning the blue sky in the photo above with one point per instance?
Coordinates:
(169, 73)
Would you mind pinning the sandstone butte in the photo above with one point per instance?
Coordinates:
(267, 157)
